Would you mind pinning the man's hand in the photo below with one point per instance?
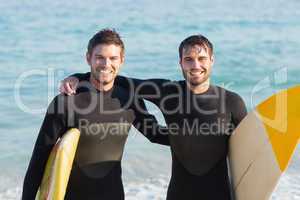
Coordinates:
(69, 85)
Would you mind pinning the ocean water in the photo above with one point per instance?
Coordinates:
(256, 44)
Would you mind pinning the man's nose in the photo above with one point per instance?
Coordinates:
(197, 65)
(105, 62)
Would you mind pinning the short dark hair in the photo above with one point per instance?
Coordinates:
(196, 40)
(106, 36)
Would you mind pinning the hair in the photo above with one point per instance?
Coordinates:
(106, 36)
(196, 40)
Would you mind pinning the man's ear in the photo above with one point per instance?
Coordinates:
(212, 58)
(122, 59)
(88, 58)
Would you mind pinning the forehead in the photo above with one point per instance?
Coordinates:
(195, 50)
(107, 49)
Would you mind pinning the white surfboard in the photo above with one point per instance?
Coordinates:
(263, 144)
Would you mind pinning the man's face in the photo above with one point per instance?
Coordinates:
(105, 61)
(196, 64)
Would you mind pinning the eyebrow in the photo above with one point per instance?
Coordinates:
(197, 57)
(100, 55)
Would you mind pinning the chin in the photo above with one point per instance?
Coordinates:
(106, 79)
(197, 81)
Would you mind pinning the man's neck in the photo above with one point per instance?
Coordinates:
(199, 89)
(101, 86)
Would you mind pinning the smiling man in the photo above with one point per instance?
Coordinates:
(105, 62)
(200, 117)
(103, 112)
(196, 63)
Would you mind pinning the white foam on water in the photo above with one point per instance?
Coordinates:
(287, 189)
(11, 194)
(150, 189)
(154, 188)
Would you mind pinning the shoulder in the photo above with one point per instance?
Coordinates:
(124, 95)
(123, 78)
(58, 99)
(172, 85)
(231, 95)
(57, 105)
(119, 91)
(233, 99)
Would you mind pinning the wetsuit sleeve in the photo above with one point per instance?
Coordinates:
(148, 125)
(149, 89)
(52, 128)
(82, 76)
(238, 110)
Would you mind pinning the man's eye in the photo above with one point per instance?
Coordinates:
(114, 58)
(188, 59)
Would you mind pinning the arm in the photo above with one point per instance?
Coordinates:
(148, 125)
(238, 110)
(149, 89)
(142, 87)
(82, 76)
(52, 128)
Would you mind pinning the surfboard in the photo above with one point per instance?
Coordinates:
(58, 167)
(262, 146)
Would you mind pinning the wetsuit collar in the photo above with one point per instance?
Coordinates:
(210, 89)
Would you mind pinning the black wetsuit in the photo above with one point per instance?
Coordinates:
(104, 120)
(199, 128)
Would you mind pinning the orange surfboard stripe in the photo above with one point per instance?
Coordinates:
(280, 115)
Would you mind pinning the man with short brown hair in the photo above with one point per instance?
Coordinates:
(104, 113)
